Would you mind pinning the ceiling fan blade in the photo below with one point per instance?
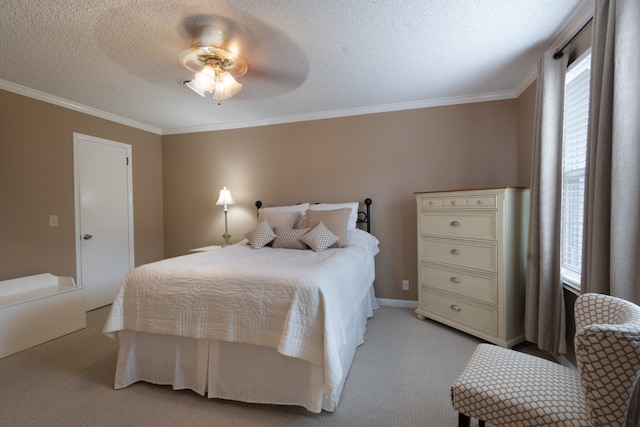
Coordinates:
(265, 82)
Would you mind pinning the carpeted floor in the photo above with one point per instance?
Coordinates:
(400, 377)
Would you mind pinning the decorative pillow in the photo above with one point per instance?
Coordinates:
(289, 238)
(353, 215)
(261, 235)
(279, 218)
(334, 220)
(300, 209)
(319, 238)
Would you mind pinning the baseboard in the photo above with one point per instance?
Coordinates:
(397, 303)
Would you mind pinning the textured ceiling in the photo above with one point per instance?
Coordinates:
(307, 59)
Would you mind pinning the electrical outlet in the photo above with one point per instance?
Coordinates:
(405, 285)
(53, 220)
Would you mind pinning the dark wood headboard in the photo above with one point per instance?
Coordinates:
(364, 217)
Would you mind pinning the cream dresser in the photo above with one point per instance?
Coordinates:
(471, 258)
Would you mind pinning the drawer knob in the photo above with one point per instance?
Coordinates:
(453, 203)
(479, 202)
(454, 224)
(430, 203)
(455, 251)
(455, 307)
(454, 280)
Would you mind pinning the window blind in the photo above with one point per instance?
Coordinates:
(574, 155)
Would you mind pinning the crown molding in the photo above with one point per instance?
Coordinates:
(530, 77)
(375, 109)
(61, 102)
(575, 22)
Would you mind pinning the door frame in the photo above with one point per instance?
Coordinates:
(79, 138)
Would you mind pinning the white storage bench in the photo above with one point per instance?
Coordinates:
(36, 309)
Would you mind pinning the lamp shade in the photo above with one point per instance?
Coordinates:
(225, 197)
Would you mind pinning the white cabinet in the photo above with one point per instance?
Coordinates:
(472, 247)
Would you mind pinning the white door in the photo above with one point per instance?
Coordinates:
(104, 217)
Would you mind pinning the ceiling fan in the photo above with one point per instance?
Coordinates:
(215, 67)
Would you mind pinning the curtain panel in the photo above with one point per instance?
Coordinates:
(611, 250)
(544, 308)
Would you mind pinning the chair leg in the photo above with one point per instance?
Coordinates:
(481, 423)
(463, 420)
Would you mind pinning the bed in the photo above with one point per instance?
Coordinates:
(273, 320)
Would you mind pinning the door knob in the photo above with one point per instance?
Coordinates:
(87, 236)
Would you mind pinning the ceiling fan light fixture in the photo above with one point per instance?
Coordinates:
(191, 84)
(225, 87)
(231, 86)
(206, 79)
(215, 71)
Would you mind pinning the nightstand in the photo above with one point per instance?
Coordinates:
(206, 248)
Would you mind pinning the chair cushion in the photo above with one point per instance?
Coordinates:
(510, 388)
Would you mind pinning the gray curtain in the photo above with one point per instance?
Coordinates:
(544, 309)
(611, 252)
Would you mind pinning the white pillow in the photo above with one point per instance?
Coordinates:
(353, 216)
(359, 237)
(300, 209)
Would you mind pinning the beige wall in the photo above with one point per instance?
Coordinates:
(386, 156)
(36, 180)
(526, 112)
(177, 178)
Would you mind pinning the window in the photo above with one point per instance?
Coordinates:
(574, 155)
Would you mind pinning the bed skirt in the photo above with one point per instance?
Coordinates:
(236, 371)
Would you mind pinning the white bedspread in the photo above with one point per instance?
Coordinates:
(292, 300)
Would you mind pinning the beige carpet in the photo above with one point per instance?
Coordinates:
(400, 377)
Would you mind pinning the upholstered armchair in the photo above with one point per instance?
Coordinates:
(509, 388)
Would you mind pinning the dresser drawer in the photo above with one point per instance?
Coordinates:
(483, 287)
(479, 225)
(475, 316)
(480, 201)
(483, 256)
(430, 202)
